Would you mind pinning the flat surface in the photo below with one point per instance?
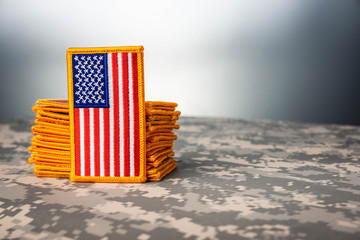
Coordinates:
(235, 179)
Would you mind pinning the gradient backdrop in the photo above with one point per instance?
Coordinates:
(283, 60)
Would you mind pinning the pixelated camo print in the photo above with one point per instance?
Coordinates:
(235, 179)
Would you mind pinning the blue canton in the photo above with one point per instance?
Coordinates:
(90, 80)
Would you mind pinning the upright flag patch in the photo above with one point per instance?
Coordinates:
(107, 116)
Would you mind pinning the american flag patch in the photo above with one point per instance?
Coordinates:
(107, 117)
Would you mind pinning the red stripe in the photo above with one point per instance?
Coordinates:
(77, 142)
(136, 114)
(96, 142)
(106, 143)
(87, 141)
(116, 115)
(125, 80)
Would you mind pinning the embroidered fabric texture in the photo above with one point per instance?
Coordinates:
(107, 138)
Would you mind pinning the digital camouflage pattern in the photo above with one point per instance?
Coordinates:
(235, 179)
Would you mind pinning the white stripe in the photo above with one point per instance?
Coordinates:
(131, 117)
(92, 148)
(101, 139)
(111, 113)
(82, 142)
(121, 116)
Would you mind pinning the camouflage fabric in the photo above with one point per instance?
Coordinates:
(235, 179)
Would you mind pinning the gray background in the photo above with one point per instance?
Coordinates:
(287, 60)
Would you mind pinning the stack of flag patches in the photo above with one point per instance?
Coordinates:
(161, 119)
(51, 142)
(105, 131)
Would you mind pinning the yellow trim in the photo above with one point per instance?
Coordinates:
(52, 126)
(161, 167)
(71, 114)
(142, 116)
(48, 167)
(159, 161)
(139, 50)
(161, 104)
(159, 175)
(38, 130)
(43, 112)
(56, 103)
